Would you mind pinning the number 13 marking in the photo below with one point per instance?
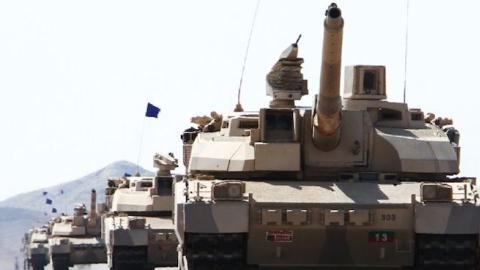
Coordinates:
(381, 237)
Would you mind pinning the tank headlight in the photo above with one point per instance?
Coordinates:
(436, 192)
(228, 190)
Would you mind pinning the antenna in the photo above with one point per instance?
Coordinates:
(298, 39)
(406, 56)
(238, 107)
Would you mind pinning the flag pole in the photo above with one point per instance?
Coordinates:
(140, 146)
(152, 111)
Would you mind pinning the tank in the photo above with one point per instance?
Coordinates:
(138, 228)
(35, 248)
(355, 181)
(76, 240)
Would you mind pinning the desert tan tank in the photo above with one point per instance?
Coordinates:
(76, 240)
(35, 248)
(138, 229)
(352, 182)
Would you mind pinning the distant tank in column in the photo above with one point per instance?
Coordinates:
(76, 239)
(35, 248)
(138, 228)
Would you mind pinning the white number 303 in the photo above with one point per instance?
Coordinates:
(389, 217)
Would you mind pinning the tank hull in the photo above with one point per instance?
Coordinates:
(77, 250)
(296, 225)
(153, 245)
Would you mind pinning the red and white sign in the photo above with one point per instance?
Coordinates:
(280, 236)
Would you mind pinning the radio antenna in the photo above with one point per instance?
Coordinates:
(238, 107)
(298, 39)
(406, 56)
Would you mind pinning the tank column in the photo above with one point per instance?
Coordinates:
(327, 117)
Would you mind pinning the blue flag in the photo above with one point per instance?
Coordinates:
(54, 210)
(152, 110)
(48, 201)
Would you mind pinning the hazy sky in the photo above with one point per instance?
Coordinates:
(75, 76)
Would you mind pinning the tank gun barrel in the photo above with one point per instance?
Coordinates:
(328, 107)
(93, 205)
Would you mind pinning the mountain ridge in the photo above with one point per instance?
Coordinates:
(65, 195)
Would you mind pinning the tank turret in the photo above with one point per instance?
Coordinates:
(327, 117)
(362, 136)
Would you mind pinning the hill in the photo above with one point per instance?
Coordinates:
(64, 196)
(24, 211)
